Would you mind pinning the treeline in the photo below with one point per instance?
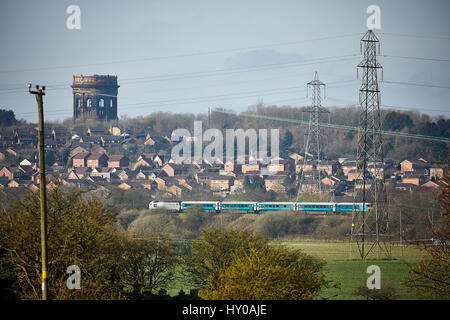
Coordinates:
(336, 142)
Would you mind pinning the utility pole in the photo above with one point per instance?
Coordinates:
(369, 157)
(313, 131)
(39, 93)
(401, 236)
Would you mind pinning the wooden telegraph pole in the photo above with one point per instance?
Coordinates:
(39, 93)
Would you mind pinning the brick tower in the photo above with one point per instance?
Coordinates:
(95, 97)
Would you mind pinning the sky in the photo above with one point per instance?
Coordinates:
(187, 56)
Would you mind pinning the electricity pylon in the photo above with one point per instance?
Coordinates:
(314, 133)
(370, 226)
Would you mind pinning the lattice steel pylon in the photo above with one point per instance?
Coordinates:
(370, 227)
(313, 132)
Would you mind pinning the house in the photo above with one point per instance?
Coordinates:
(77, 150)
(421, 166)
(354, 175)
(172, 169)
(79, 173)
(97, 160)
(220, 183)
(430, 184)
(149, 141)
(413, 178)
(174, 190)
(80, 159)
(126, 174)
(108, 139)
(115, 131)
(250, 167)
(436, 172)
(7, 172)
(24, 137)
(232, 167)
(13, 184)
(347, 166)
(96, 132)
(59, 135)
(330, 167)
(275, 183)
(91, 139)
(118, 161)
(296, 157)
(141, 163)
(331, 181)
(104, 173)
(305, 166)
(280, 165)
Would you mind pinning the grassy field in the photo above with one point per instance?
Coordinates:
(343, 265)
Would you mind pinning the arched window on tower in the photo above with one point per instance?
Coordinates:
(101, 103)
(89, 103)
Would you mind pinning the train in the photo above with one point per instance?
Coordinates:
(257, 207)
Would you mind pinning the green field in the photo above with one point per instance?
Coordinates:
(344, 266)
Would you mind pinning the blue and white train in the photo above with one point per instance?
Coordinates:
(256, 207)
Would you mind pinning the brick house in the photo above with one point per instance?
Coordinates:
(436, 172)
(118, 161)
(330, 167)
(172, 169)
(275, 183)
(308, 166)
(221, 183)
(97, 160)
(354, 174)
(348, 166)
(413, 178)
(250, 167)
(7, 172)
(421, 166)
(80, 159)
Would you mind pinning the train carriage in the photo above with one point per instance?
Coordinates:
(205, 205)
(275, 206)
(316, 207)
(239, 205)
(349, 207)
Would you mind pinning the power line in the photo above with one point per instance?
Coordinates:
(415, 58)
(339, 127)
(417, 84)
(182, 55)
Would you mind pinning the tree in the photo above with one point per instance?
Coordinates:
(286, 143)
(214, 252)
(80, 232)
(267, 273)
(432, 274)
(397, 121)
(7, 118)
(148, 262)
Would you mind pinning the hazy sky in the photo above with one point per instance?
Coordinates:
(186, 56)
